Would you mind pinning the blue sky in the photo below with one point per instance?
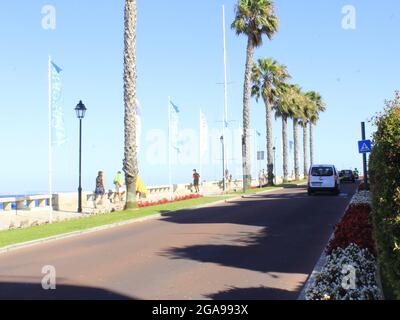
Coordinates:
(179, 54)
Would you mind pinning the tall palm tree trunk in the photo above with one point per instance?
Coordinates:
(270, 161)
(311, 144)
(246, 111)
(305, 149)
(130, 75)
(296, 149)
(285, 149)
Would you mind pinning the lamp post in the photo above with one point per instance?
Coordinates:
(80, 114)
(223, 162)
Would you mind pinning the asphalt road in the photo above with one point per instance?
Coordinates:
(261, 247)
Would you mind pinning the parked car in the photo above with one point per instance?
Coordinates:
(347, 175)
(323, 178)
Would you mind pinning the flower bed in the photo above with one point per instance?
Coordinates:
(335, 280)
(355, 226)
(361, 197)
(144, 204)
(351, 247)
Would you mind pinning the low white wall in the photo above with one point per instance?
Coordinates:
(68, 202)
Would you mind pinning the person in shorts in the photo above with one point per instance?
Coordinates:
(118, 183)
(196, 180)
(100, 190)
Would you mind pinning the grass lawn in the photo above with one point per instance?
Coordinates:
(257, 190)
(34, 233)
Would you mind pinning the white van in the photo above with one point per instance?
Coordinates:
(323, 178)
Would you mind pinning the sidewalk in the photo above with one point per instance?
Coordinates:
(23, 219)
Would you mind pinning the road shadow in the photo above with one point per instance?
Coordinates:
(293, 230)
(259, 293)
(265, 251)
(34, 291)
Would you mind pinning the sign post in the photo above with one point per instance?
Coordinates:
(364, 147)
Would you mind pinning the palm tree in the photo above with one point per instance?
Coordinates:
(308, 110)
(296, 113)
(319, 106)
(254, 18)
(130, 76)
(267, 76)
(283, 110)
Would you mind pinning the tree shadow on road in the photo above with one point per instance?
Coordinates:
(34, 291)
(264, 251)
(291, 232)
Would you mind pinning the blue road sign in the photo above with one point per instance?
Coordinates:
(365, 146)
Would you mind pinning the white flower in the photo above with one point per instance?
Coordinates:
(328, 284)
(361, 197)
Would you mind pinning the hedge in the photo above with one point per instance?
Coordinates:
(384, 172)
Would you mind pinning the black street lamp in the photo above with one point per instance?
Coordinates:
(223, 162)
(80, 114)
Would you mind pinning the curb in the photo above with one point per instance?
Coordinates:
(316, 271)
(32, 243)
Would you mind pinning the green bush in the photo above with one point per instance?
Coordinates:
(385, 187)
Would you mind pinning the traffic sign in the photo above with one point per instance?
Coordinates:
(364, 146)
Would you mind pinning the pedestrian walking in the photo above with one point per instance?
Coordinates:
(196, 180)
(118, 183)
(100, 190)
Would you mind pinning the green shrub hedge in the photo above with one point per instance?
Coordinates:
(385, 187)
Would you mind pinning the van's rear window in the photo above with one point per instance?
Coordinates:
(322, 172)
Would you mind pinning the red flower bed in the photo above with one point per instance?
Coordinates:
(144, 204)
(354, 228)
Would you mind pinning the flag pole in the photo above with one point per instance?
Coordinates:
(50, 146)
(200, 145)
(225, 88)
(171, 187)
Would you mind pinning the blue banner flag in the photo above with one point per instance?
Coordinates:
(176, 108)
(58, 132)
(174, 126)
